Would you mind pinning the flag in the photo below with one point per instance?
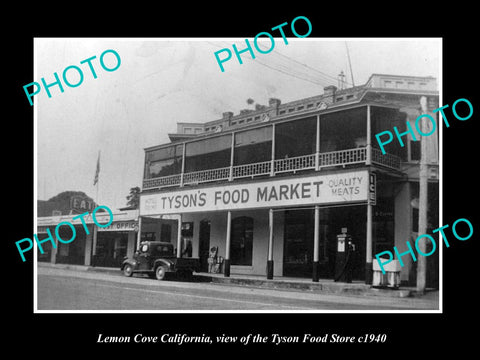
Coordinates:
(97, 171)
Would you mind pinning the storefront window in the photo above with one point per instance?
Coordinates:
(253, 146)
(46, 246)
(208, 154)
(295, 138)
(72, 252)
(241, 241)
(164, 162)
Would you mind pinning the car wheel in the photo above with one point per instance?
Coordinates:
(128, 270)
(160, 272)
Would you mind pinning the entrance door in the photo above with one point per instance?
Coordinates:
(111, 248)
(298, 252)
(204, 244)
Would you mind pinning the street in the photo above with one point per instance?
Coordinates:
(61, 289)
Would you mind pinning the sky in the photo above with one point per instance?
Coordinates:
(164, 81)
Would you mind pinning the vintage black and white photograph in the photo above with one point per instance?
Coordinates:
(271, 174)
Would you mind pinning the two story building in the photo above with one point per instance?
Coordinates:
(272, 188)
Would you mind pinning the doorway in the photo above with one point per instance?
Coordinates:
(298, 242)
(111, 248)
(204, 244)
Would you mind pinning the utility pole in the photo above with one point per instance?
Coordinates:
(423, 202)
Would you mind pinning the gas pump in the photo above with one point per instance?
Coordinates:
(345, 257)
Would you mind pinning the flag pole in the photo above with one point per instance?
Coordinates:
(96, 202)
(96, 180)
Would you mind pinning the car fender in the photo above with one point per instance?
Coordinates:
(128, 261)
(164, 262)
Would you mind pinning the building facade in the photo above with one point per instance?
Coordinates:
(65, 203)
(93, 245)
(273, 188)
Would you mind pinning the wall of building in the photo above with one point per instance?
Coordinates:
(88, 247)
(403, 227)
(132, 243)
(218, 228)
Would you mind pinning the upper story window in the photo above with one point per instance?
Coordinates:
(253, 146)
(295, 138)
(164, 162)
(343, 130)
(383, 119)
(208, 153)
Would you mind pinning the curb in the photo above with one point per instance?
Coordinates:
(320, 287)
(332, 288)
(113, 271)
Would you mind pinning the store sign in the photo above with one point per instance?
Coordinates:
(372, 189)
(313, 190)
(120, 226)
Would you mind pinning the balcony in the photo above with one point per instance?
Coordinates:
(315, 162)
(311, 143)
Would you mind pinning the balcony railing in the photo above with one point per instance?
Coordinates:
(203, 176)
(388, 160)
(164, 181)
(343, 157)
(304, 162)
(250, 170)
(294, 164)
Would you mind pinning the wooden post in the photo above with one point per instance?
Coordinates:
(227, 244)
(423, 204)
(183, 165)
(369, 240)
(179, 236)
(369, 137)
(139, 233)
(270, 245)
(232, 149)
(317, 145)
(272, 163)
(316, 244)
(369, 246)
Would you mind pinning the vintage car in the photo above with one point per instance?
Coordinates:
(156, 259)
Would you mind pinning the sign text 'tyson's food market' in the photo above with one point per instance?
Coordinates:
(325, 189)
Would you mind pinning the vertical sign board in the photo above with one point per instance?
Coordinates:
(344, 187)
(372, 189)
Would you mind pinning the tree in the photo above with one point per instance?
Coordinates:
(134, 197)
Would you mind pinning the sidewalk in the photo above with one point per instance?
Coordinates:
(278, 283)
(303, 284)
